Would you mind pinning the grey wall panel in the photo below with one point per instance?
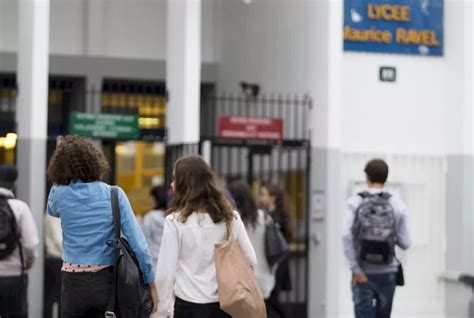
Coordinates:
(96, 68)
(460, 231)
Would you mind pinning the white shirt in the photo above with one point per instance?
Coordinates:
(186, 262)
(53, 236)
(11, 265)
(263, 272)
(152, 226)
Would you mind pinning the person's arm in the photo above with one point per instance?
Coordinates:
(167, 266)
(53, 236)
(242, 238)
(29, 234)
(403, 230)
(135, 237)
(52, 202)
(157, 233)
(348, 237)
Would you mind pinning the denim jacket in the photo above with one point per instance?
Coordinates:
(87, 224)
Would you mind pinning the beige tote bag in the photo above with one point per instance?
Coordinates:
(239, 293)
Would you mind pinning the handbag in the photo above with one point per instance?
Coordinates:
(400, 274)
(276, 246)
(239, 294)
(130, 297)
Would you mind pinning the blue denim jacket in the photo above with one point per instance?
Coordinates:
(87, 223)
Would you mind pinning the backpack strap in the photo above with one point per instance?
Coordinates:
(364, 195)
(110, 313)
(367, 194)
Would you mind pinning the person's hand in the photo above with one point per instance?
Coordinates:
(359, 278)
(154, 296)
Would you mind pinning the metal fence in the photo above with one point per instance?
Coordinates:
(293, 109)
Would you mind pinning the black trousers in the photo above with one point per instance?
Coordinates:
(186, 309)
(52, 286)
(86, 295)
(13, 296)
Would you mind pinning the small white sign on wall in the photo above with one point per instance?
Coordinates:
(319, 205)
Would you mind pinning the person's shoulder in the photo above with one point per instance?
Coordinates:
(354, 200)
(398, 204)
(173, 217)
(18, 206)
(236, 215)
(261, 217)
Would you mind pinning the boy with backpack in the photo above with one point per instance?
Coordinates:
(18, 243)
(375, 222)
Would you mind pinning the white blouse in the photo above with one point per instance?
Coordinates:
(186, 262)
(265, 275)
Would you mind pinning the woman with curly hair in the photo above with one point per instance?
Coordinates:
(195, 222)
(82, 202)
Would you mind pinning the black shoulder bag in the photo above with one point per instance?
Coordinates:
(276, 247)
(130, 297)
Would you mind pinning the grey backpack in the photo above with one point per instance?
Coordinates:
(374, 229)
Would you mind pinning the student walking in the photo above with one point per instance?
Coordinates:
(154, 221)
(255, 224)
(196, 221)
(375, 221)
(274, 200)
(18, 247)
(83, 202)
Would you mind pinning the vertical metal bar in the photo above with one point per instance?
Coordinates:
(217, 109)
(288, 122)
(307, 210)
(250, 166)
(294, 119)
(305, 117)
(241, 160)
(292, 196)
(230, 151)
(300, 220)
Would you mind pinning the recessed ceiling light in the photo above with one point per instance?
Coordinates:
(247, 1)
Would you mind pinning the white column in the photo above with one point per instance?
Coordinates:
(183, 70)
(468, 134)
(325, 73)
(31, 118)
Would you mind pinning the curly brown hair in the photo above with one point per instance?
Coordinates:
(76, 159)
(198, 190)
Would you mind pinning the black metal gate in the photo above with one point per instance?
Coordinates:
(285, 163)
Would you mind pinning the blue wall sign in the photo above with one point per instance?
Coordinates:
(394, 26)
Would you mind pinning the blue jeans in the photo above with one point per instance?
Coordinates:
(374, 299)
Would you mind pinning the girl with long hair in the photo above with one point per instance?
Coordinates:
(274, 200)
(196, 221)
(255, 222)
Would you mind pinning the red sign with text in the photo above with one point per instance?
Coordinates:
(246, 127)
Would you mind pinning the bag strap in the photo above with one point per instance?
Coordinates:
(110, 313)
(115, 210)
(229, 231)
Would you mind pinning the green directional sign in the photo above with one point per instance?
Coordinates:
(105, 125)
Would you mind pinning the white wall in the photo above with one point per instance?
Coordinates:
(421, 112)
(110, 28)
(266, 44)
(293, 47)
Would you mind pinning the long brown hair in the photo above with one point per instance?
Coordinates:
(245, 202)
(198, 190)
(282, 205)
